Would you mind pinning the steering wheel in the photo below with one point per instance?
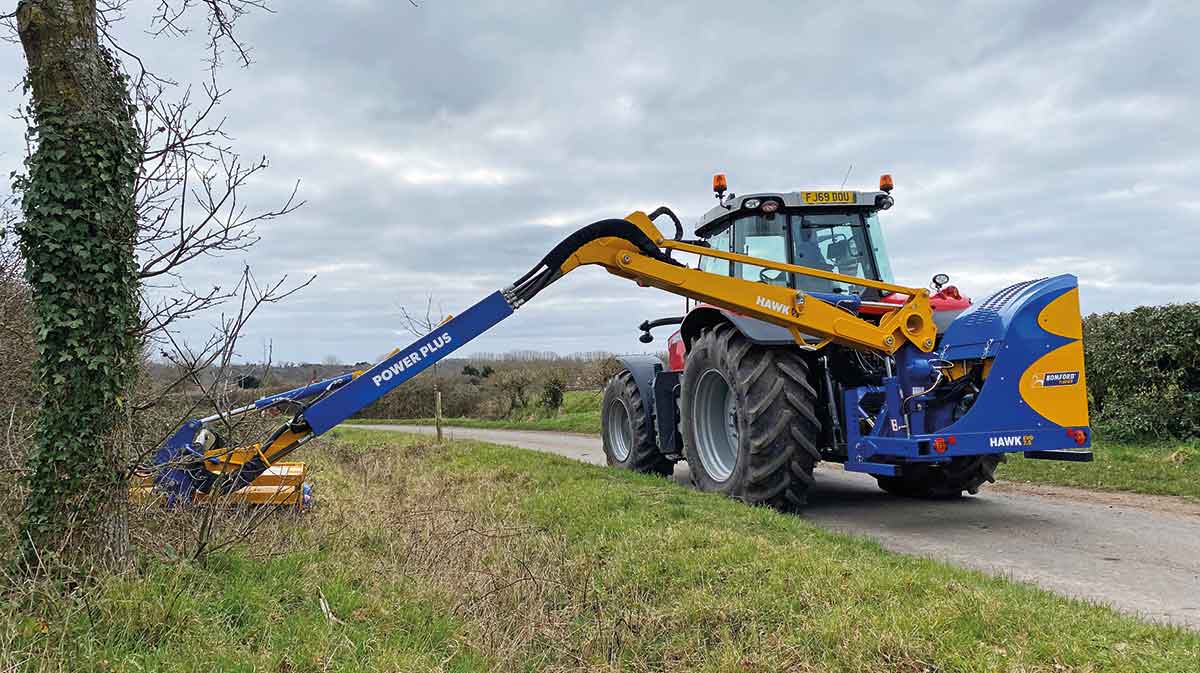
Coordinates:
(763, 276)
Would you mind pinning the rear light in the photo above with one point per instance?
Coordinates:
(1078, 435)
(770, 206)
(939, 444)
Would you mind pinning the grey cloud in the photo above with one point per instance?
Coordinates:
(444, 149)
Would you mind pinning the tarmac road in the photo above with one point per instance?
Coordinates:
(1139, 554)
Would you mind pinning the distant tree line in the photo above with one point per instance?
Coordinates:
(494, 388)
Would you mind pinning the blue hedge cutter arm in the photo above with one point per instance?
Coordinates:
(194, 460)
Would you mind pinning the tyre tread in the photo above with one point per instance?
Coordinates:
(967, 473)
(644, 455)
(781, 422)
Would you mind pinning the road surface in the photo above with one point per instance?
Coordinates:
(1139, 554)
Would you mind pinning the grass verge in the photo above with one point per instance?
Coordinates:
(471, 557)
(1156, 468)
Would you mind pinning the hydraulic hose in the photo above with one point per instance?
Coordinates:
(663, 210)
(548, 269)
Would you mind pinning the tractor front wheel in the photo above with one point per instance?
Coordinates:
(626, 431)
(748, 418)
(943, 480)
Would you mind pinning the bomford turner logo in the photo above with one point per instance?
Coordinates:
(1010, 440)
(1050, 379)
(772, 305)
(408, 361)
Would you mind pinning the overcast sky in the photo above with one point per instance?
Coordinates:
(444, 149)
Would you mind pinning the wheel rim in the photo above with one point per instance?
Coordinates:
(714, 421)
(619, 429)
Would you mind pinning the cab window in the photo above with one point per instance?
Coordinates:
(879, 246)
(759, 236)
(712, 264)
(836, 242)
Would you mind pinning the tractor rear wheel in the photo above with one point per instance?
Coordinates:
(625, 429)
(748, 418)
(944, 480)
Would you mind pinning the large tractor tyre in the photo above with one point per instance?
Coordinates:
(749, 419)
(628, 441)
(943, 481)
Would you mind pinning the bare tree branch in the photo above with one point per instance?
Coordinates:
(419, 325)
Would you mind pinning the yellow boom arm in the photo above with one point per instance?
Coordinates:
(800, 313)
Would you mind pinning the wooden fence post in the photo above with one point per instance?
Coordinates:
(437, 413)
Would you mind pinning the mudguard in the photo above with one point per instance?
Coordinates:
(644, 368)
(757, 331)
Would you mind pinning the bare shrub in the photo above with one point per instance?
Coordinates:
(597, 372)
(514, 384)
(415, 399)
(494, 408)
(16, 379)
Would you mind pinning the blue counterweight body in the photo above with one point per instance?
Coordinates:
(1020, 339)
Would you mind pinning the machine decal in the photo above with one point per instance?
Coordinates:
(772, 305)
(1056, 379)
(1054, 386)
(406, 363)
(432, 346)
(1010, 440)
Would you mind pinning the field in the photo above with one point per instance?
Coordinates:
(469, 557)
(580, 413)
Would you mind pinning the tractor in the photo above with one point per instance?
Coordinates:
(796, 347)
(752, 407)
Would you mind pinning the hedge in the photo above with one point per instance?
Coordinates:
(1143, 372)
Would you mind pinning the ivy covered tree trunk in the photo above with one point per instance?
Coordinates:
(77, 237)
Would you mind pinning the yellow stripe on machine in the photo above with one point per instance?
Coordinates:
(1055, 385)
(1061, 316)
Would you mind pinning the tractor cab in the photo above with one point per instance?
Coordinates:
(828, 230)
(831, 230)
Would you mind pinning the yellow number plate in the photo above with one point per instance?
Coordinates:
(823, 198)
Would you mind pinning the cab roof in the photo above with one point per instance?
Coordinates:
(717, 218)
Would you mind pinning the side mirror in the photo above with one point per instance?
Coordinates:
(939, 280)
